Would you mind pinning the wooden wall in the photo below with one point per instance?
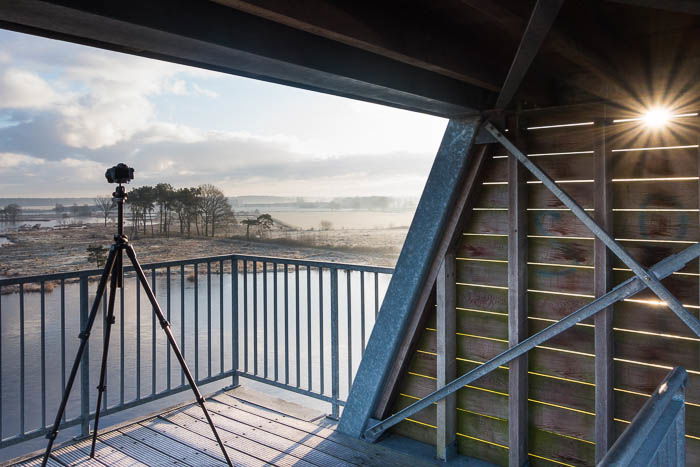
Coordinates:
(654, 214)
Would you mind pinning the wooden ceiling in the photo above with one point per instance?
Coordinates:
(447, 58)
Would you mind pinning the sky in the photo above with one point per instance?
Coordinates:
(67, 112)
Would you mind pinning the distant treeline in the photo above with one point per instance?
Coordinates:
(203, 210)
(354, 202)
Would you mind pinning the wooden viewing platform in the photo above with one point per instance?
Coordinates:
(254, 436)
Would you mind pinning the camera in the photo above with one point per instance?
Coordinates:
(120, 173)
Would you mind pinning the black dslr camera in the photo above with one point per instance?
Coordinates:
(120, 173)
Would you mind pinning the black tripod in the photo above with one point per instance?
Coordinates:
(113, 268)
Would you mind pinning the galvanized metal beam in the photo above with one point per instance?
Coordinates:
(543, 15)
(656, 435)
(602, 278)
(446, 357)
(626, 289)
(517, 304)
(653, 282)
(458, 214)
(379, 370)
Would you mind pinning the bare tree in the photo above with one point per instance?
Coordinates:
(104, 205)
(215, 208)
(265, 223)
(248, 223)
(11, 213)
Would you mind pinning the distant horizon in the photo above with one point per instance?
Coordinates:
(68, 111)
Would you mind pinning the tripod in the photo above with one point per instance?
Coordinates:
(113, 271)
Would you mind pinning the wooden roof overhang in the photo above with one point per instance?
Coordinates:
(449, 58)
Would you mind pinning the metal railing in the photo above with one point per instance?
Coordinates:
(656, 436)
(294, 324)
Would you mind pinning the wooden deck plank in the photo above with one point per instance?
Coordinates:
(380, 455)
(253, 436)
(258, 446)
(37, 461)
(105, 453)
(267, 438)
(252, 448)
(138, 450)
(73, 455)
(204, 444)
(174, 448)
(319, 443)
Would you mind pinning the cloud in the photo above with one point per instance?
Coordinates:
(69, 112)
(21, 89)
(9, 160)
(200, 91)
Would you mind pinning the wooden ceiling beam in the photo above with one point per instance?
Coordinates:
(543, 15)
(691, 7)
(208, 35)
(369, 29)
(557, 42)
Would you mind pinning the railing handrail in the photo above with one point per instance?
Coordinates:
(198, 260)
(280, 306)
(639, 443)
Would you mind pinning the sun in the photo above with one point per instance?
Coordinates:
(657, 117)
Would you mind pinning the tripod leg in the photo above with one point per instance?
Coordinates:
(173, 345)
(109, 321)
(84, 335)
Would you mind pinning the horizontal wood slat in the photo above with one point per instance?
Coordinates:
(666, 226)
(655, 205)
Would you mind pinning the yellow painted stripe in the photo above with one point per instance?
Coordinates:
(550, 460)
(481, 440)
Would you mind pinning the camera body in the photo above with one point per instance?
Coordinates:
(120, 173)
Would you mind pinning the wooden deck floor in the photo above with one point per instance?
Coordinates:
(254, 436)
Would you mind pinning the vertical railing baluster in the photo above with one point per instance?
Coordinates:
(309, 349)
(286, 323)
(335, 357)
(122, 366)
(63, 339)
(265, 347)
(275, 324)
(255, 317)
(43, 355)
(234, 321)
(376, 294)
(349, 299)
(322, 360)
(209, 319)
(196, 321)
(168, 311)
(245, 316)
(182, 319)
(362, 313)
(221, 316)
(84, 364)
(153, 337)
(21, 356)
(1, 388)
(138, 337)
(296, 325)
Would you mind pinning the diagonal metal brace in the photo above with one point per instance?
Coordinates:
(648, 277)
(626, 289)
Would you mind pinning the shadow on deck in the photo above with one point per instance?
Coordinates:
(254, 435)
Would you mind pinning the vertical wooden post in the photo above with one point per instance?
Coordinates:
(446, 356)
(604, 370)
(517, 304)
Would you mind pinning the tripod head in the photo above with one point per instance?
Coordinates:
(119, 194)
